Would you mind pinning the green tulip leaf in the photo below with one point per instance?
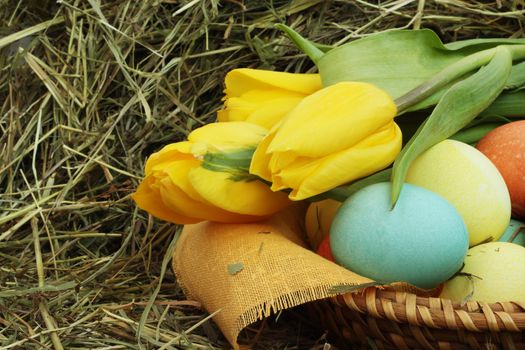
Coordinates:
(308, 47)
(381, 59)
(473, 134)
(508, 104)
(483, 119)
(460, 104)
(474, 45)
(517, 77)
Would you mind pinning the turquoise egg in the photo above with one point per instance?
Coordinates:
(422, 241)
(513, 227)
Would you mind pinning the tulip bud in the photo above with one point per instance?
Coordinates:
(206, 178)
(336, 135)
(264, 97)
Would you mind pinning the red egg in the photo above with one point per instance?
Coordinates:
(324, 249)
(505, 147)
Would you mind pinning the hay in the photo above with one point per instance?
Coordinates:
(88, 89)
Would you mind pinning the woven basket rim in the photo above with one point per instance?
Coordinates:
(437, 313)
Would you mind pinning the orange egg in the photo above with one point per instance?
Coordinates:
(505, 147)
(324, 249)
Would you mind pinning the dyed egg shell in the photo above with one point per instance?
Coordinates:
(422, 241)
(319, 217)
(324, 249)
(505, 147)
(467, 179)
(515, 229)
(498, 270)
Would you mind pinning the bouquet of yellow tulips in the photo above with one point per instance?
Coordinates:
(303, 135)
(283, 138)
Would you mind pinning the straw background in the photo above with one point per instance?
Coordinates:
(88, 89)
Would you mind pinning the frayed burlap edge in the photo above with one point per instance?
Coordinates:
(278, 272)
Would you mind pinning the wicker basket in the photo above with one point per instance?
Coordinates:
(381, 319)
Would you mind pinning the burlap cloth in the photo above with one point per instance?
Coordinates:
(245, 272)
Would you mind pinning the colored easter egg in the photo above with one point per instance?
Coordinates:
(505, 147)
(422, 240)
(324, 249)
(470, 182)
(493, 272)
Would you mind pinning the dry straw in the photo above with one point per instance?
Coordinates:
(87, 90)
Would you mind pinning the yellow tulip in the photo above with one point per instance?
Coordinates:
(206, 178)
(339, 134)
(264, 97)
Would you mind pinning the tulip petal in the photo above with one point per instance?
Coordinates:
(239, 108)
(180, 196)
(295, 174)
(245, 197)
(264, 108)
(178, 174)
(309, 177)
(225, 136)
(259, 165)
(281, 160)
(271, 113)
(238, 81)
(168, 154)
(148, 198)
(334, 119)
(235, 109)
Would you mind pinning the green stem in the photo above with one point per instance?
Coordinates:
(444, 77)
(517, 51)
(458, 106)
(451, 73)
(306, 46)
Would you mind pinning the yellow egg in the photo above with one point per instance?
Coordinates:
(470, 182)
(319, 217)
(498, 274)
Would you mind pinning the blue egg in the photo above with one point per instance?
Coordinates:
(516, 228)
(422, 241)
